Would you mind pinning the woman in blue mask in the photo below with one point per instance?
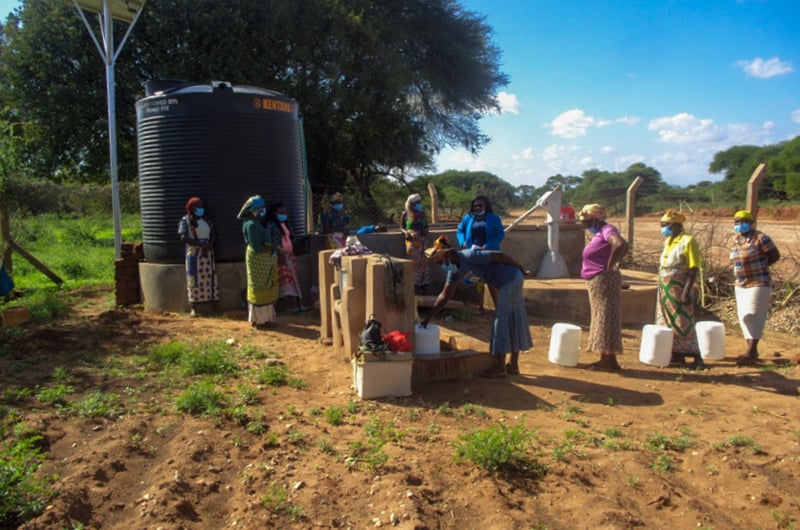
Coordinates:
(511, 333)
(263, 245)
(752, 253)
(414, 226)
(481, 228)
(289, 284)
(677, 275)
(335, 221)
(600, 269)
(197, 233)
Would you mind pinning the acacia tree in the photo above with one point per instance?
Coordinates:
(379, 84)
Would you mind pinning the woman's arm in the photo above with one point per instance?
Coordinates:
(619, 247)
(447, 293)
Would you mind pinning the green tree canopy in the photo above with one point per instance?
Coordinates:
(380, 85)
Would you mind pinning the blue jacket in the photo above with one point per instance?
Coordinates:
(494, 231)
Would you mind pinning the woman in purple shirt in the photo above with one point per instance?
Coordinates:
(600, 269)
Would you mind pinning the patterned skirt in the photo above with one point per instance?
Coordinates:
(201, 275)
(605, 301)
(673, 313)
(262, 277)
(287, 276)
(415, 250)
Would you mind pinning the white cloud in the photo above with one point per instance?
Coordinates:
(762, 69)
(571, 124)
(796, 116)
(526, 154)
(509, 104)
(607, 149)
(684, 128)
(575, 123)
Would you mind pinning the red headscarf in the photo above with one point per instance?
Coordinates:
(194, 202)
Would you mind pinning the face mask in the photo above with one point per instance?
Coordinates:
(593, 229)
(479, 212)
(450, 267)
(262, 213)
(338, 206)
(666, 231)
(418, 207)
(742, 228)
(199, 212)
(282, 217)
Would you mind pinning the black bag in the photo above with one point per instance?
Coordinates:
(371, 336)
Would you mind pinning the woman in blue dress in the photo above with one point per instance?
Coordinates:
(482, 229)
(510, 329)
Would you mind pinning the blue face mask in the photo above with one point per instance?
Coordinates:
(418, 207)
(593, 229)
(262, 212)
(666, 231)
(199, 212)
(282, 217)
(338, 206)
(741, 228)
(450, 267)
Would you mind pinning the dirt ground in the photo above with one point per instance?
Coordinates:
(646, 447)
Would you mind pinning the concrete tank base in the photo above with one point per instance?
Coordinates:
(567, 299)
(449, 366)
(164, 286)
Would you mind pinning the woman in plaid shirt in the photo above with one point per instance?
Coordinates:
(752, 252)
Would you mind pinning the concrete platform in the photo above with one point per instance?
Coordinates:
(449, 366)
(567, 299)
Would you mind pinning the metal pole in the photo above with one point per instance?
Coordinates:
(112, 126)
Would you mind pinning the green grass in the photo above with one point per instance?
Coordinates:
(201, 399)
(497, 448)
(25, 494)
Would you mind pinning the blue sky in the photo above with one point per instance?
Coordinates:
(602, 84)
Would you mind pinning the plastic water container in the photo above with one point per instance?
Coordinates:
(656, 347)
(426, 340)
(711, 339)
(565, 344)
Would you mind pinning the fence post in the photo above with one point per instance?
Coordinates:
(751, 202)
(630, 209)
(434, 202)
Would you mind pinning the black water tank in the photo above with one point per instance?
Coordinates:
(222, 143)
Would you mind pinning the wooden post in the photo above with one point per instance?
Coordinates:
(35, 262)
(434, 202)
(630, 209)
(752, 189)
(5, 235)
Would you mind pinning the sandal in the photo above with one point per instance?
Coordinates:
(494, 372)
(746, 360)
(604, 366)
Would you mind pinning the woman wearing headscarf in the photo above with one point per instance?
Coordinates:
(287, 262)
(263, 244)
(414, 226)
(600, 269)
(752, 253)
(197, 233)
(335, 221)
(481, 228)
(677, 275)
(510, 329)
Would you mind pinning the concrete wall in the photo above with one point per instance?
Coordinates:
(164, 285)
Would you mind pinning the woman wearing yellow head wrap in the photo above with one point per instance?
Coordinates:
(414, 226)
(677, 272)
(600, 269)
(752, 253)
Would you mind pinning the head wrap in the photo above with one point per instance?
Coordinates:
(743, 214)
(337, 197)
(593, 211)
(252, 205)
(441, 244)
(413, 198)
(673, 216)
(194, 202)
